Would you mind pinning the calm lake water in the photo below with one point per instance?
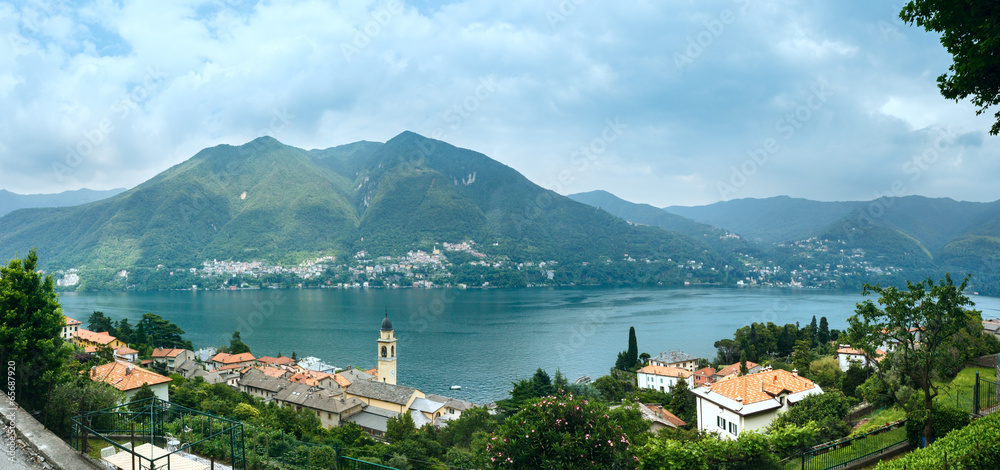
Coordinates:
(480, 339)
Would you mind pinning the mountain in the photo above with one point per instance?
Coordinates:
(771, 220)
(646, 214)
(10, 201)
(271, 202)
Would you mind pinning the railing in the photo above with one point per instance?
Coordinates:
(347, 463)
(845, 451)
(985, 397)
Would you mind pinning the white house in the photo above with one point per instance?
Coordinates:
(749, 402)
(847, 355)
(130, 378)
(69, 329)
(662, 378)
(675, 359)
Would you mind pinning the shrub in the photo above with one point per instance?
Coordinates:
(946, 419)
(974, 447)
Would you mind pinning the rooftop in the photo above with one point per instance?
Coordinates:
(233, 358)
(92, 337)
(168, 352)
(70, 322)
(125, 376)
(754, 388)
(671, 357)
(665, 371)
(332, 401)
(382, 391)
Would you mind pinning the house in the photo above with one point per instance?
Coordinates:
(316, 379)
(992, 327)
(127, 353)
(332, 407)
(384, 395)
(662, 378)
(130, 378)
(452, 407)
(704, 376)
(350, 376)
(749, 402)
(426, 411)
(86, 338)
(847, 355)
(171, 358)
(675, 359)
(256, 383)
(733, 370)
(373, 420)
(226, 361)
(317, 365)
(657, 416)
(276, 361)
(69, 329)
(190, 369)
(205, 354)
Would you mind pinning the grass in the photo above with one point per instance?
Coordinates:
(958, 392)
(880, 418)
(857, 449)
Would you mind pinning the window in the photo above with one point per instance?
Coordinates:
(732, 428)
(722, 423)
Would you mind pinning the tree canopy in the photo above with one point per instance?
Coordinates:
(971, 34)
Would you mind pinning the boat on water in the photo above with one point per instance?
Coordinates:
(456, 387)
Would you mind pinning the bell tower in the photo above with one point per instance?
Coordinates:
(387, 352)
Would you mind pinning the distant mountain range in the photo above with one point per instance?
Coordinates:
(924, 235)
(10, 202)
(268, 201)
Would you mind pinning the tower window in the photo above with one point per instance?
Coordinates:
(383, 351)
(394, 351)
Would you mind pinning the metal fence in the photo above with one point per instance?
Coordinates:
(347, 463)
(985, 396)
(845, 451)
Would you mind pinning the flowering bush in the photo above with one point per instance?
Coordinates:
(558, 433)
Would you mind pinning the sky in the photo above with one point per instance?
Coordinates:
(659, 102)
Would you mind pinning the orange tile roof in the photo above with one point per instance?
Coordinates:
(126, 350)
(166, 352)
(233, 358)
(753, 388)
(90, 349)
(341, 380)
(125, 376)
(70, 322)
(99, 338)
(372, 371)
(273, 371)
(309, 377)
(666, 371)
(663, 413)
(734, 368)
(284, 360)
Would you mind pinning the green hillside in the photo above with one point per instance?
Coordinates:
(266, 201)
(10, 202)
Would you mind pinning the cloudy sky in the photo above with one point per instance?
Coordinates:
(663, 102)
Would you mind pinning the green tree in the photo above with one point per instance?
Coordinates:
(400, 428)
(30, 323)
(611, 389)
(743, 364)
(99, 322)
(632, 354)
(922, 321)
(854, 378)
(823, 335)
(144, 392)
(557, 433)
(812, 332)
(72, 398)
(728, 351)
(162, 333)
(801, 356)
(123, 331)
(682, 402)
(971, 34)
(236, 345)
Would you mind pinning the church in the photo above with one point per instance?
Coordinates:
(387, 352)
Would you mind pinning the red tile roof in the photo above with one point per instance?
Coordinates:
(309, 377)
(125, 376)
(99, 338)
(666, 371)
(126, 350)
(233, 358)
(70, 322)
(663, 413)
(284, 360)
(734, 369)
(167, 352)
(753, 388)
(341, 380)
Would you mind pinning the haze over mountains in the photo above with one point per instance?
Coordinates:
(10, 201)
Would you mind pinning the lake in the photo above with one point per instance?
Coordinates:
(480, 339)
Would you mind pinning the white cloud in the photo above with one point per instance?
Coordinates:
(173, 77)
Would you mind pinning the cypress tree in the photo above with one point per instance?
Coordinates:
(632, 356)
(824, 331)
